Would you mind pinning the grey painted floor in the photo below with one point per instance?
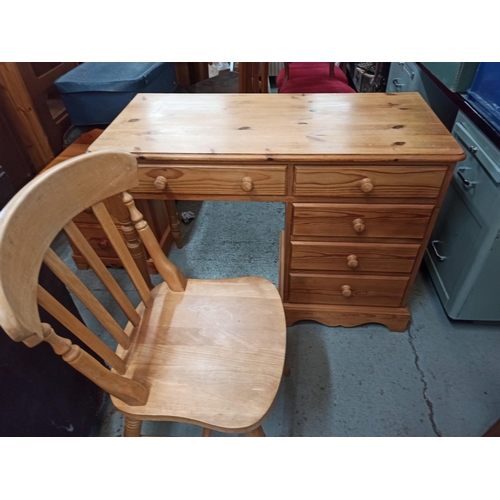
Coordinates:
(441, 377)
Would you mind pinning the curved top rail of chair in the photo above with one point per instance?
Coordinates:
(43, 207)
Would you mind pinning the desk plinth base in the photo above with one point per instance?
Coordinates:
(395, 319)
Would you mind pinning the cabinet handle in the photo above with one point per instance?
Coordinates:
(358, 225)
(465, 181)
(247, 184)
(439, 257)
(397, 84)
(346, 290)
(352, 261)
(366, 185)
(160, 183)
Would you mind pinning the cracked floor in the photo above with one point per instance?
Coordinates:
(425, 386)
(440, 378)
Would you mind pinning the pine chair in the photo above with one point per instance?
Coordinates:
(205, 352)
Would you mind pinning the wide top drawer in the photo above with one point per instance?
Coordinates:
(344, 181)
(213, 180)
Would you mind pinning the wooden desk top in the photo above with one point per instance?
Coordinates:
(284, 127)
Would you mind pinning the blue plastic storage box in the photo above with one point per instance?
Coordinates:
(96, 93)
(484, 95)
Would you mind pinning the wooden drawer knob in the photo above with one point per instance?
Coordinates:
(358, 225)
(160, 183)
(103, 244)
(366, 185)
(346, 291)
(247, 184)
(352, 261)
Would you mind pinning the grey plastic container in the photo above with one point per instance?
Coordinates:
(95, 93)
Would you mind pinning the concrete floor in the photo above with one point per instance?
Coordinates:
(440, 378)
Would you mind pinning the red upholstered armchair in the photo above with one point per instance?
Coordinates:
(316, 77)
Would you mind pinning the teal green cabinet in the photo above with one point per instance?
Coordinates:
(457, 76)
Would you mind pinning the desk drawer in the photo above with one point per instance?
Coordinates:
(368, 182)
(355, 258)
(331, 220)
(98, 240)
(213, 180)
(88, 217)
(347, 289)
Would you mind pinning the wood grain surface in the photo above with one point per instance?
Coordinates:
(380, 221)
(371, 257)
(281, 126)
(388, 181)
(211, 355)
(394, 318)
(212, 180)
(365, 290)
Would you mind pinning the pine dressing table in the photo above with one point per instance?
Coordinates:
(363, 177)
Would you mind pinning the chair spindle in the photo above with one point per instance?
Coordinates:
(121, 249)
(101, 271)
(59, 268)
(134, 244)
(170, 273)
(59, 312)
(129, 391)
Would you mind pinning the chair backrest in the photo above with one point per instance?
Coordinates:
(331, 74)
(28, 225)
(254, 77)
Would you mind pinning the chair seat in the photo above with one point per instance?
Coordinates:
(212, 355)
(313, 85)
(305, 69)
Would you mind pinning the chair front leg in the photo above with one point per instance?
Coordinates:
(259, 432)
(132, 427)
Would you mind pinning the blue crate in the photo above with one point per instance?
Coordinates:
(96, 93)
(484, 94)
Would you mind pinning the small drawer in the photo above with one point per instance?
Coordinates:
(368, 182)
(210, 180)
(88, 217)
(353, 258)
(360, 221)
(98, 240)
(347, 289)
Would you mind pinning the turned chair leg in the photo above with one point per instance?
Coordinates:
(259, 432)
(206, 432)
(132, 427)
(174, 222)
